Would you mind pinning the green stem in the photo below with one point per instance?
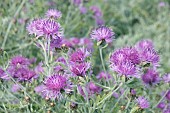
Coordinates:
(108, 95)
(160, 99)
(101, 57)
(118, 100)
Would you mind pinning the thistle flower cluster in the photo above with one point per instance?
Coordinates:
(48, 28)
(19, 69)
(133, 61)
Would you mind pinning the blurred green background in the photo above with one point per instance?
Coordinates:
(131, 20)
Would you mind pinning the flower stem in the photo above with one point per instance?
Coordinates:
(101, 57)
(160, 99)
(110, 94)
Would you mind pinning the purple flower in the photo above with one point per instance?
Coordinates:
(132, 54)
(80, 69)
(166, 78)
(150, 77)
(32, 60)
(99, 21)
(103, 34)
(77, 2)
(55, 43)
(161, 105)
(82, 91)
(67, 43)
(125, 68)
(168, 95)
(144, 44)
(162, 4)
(124, 61)
(36, 27)
(3, 75)
(83, 10)
(166, 111)
(128, 53)
(18, 61)
(39, 68)
(75, 41)
(55, 82)
(53, 13)
(103, 75)
(15, 88)
(22, 73)
(133, 92)
(79, 55)
(58, 69)
(52, 28)
(142, 102)
(61, 60)
(118, 57)
(115, 94)
(21, 21)
(94, 88)
(150, 55)
(87, 42)
(52, 87)
(96, 10)
(31, 1)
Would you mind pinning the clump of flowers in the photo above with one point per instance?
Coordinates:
(19, 69)
(130, 61)
(71, 75)
(124, 61)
